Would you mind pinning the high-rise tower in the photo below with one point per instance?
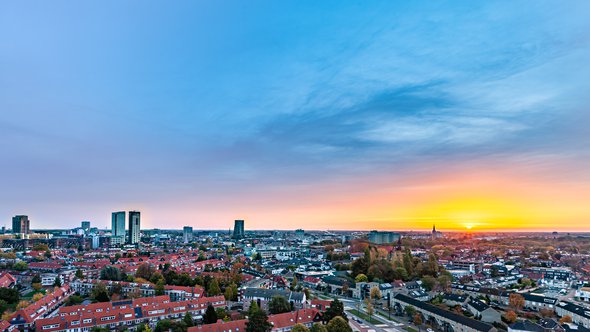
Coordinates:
(134, 227)
(118, 228)
(20, 224)
(239, 229)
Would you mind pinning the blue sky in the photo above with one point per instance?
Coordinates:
(200, 112)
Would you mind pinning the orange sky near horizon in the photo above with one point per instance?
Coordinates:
(455, 200)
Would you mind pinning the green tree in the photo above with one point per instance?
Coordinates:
(57, 282)
(407, 261)
(278, 304)
(299, 328)
(213, 288)
(99, 329)
(111, 273)
(318, 327)
(188, 320)
(3, 306)
(100, 293)
(253, 308)
(20, 266)
(10, 295)
(159, 289)
(410, 310)
(231, 292)
(36, 279)
(361, 277)
(338, 324)
(210, 315)
(336, 309)
(428, 282)
(294, 283)
(79, 274)
(258, 322)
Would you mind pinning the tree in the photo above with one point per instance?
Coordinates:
(221, 313)
(231, 292)
(278, 305)
(188, 320)
(336, 309)
(565, 319)
(253, 308)
(417, 320)
(510, 316)
(37, 286)
(338, 324)
(370, 310)
(79, 274)
(428, 282)
(258, 322)
(410, 310)
(213, 288)
(375, 293)
(210, 316)
(22, 304)
(294, 283)
(100, 293)
(10, 295)
(37, 297)
(36, 279)
(444, 281)
(318, 327)
(20, 266)
(299, 328)
(99, 329)
(3, 306)
(159, 289)
(145, 271)
(361, 278)
(516, 301)
(494, 271)
(57, 282)
(111, 273)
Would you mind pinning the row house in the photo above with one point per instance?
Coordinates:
(176, 293)
(24, 319)
(280, 322)
(125, 314)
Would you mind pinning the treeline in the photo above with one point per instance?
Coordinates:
(378, 266)
(146, 273)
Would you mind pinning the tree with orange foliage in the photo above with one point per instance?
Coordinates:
(516, 301)
(566, 319)
(510, 316)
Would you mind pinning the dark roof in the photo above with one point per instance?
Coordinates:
(472, 323)
(478, 305)
(527, 326)
(455, 297)
(337, 281)
(575, 309)
(549, 323)
(538, 298)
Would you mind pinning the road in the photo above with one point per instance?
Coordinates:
(364, 326)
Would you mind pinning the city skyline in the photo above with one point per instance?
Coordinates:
(352, 116)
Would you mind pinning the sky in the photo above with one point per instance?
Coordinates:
(392, 115)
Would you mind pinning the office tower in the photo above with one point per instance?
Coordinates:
(239, 229)
(20, 224)
(134, 227)
(118, 228)
(86, 226)
(187, 234)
